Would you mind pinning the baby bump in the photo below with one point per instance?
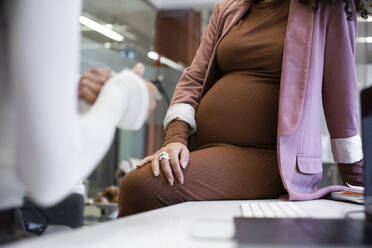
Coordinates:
(239, 109)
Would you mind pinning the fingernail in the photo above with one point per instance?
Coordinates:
(156, 173)
(184, 164)
(181, 180)
(170, 181)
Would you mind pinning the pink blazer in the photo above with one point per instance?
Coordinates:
(318, 65)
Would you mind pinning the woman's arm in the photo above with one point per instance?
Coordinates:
(179, 121)
(340, 88)
(57, 147)
(177, 131)
(186, 95)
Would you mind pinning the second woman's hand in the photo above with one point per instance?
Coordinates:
(172, 168)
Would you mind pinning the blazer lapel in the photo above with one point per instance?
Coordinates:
(232, 16)
(296, 59)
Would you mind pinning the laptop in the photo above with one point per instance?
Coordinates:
(287, 225)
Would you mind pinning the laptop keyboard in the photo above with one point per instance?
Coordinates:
(272, 210)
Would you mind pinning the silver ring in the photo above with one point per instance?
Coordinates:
(163, 155)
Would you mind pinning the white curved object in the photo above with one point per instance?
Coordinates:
(46, 145)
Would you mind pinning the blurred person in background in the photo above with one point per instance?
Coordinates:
(46, 145)
(249, 108)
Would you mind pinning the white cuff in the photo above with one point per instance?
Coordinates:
(347, 150)
(136, 102)
(183, 112)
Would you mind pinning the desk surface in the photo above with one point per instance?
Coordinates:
(192, 224)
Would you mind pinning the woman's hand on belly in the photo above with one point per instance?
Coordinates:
(178, 160)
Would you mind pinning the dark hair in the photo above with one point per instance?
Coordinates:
(361, 7)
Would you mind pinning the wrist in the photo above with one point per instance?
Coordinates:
(352, 173)
(177, 131)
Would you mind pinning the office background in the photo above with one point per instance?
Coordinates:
(164, 35)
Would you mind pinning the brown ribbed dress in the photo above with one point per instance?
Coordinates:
(233, 152)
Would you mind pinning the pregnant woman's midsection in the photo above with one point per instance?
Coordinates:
(240, 109)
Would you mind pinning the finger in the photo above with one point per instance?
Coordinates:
(155, 167)
(145, 161)
(184, 157)
(101, 70)
(167, 170)
(88, 96)
(101, 75)
(89, 75)
(108, 74)
(139, 69)
(176, 168)
(93, 86)
(80, 94)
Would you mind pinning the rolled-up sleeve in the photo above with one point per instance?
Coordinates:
(340, 88)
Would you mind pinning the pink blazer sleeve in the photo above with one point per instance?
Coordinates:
(190, 84)
(340, 88)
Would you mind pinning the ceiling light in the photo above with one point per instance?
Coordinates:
(109, 26)
(364, 40)
(182, 4)
(129, 35)
(101, 29)
(361, 19)
(153, 55)
(170, 63)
